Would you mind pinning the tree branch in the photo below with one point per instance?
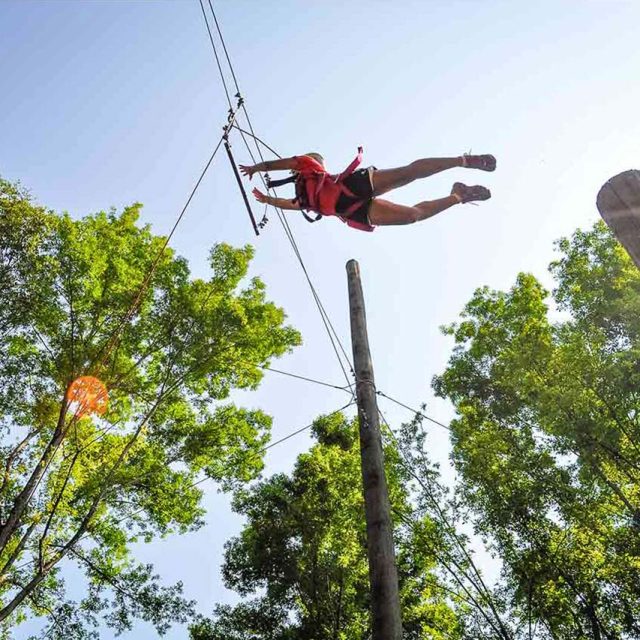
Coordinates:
(17, 551)
(12, 456)
(22, 499)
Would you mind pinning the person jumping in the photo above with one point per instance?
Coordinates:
(353, 195)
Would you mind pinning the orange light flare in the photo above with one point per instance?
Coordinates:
(86, 395)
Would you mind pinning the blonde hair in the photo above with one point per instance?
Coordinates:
(316, 156)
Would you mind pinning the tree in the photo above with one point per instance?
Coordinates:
(300, 562)
(547, 438)
(437, 528)
(76, 299)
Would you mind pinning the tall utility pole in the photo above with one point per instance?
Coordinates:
(383, 576)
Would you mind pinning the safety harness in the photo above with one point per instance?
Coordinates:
(319, 191)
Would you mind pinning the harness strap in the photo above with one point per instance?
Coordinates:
(354, 207)
(278, 183)
(341, 176)
(321, 177)
(352, 167)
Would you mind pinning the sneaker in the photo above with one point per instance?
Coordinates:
(484, 163)
(469, 194)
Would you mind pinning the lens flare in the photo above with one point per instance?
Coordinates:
(86, 395)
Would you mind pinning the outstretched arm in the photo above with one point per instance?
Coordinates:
(268, 165)
(282, 203)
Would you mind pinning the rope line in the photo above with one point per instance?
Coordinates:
(285, 224)
(418, 413)
(348, 390)
(202, 480)
(255, 137)
(111, 343)
(306, 379)
(111, 427)
(281, 440)
(271, 445)
(476, 581)
(224, 46)
(215, 53)
(331, 332)
(295, 433)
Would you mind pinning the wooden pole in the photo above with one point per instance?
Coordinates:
(619, 205)
(383, 576)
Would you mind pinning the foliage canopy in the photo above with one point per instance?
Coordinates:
(81, 490)
(547, 438)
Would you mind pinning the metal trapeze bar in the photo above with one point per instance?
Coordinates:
(227, 146)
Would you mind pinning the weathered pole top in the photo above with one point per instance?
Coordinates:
(618, 202)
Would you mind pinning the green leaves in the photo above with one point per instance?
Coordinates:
(547, 438)
(95, 296)
(300, 562)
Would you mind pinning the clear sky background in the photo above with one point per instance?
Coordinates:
(107, 103)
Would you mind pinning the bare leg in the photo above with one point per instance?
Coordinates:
(383, 212)
(387, 179)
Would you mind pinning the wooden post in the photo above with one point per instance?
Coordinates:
(383, 576)
(619, 205)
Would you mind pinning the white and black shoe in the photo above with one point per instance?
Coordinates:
(470, 194)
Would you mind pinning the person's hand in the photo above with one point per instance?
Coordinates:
(248, 170)
(260, 197)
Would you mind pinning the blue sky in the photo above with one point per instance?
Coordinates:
(107, 103)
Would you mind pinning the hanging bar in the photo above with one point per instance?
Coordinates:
(227, 146)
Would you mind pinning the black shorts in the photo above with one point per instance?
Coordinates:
(360, 183)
